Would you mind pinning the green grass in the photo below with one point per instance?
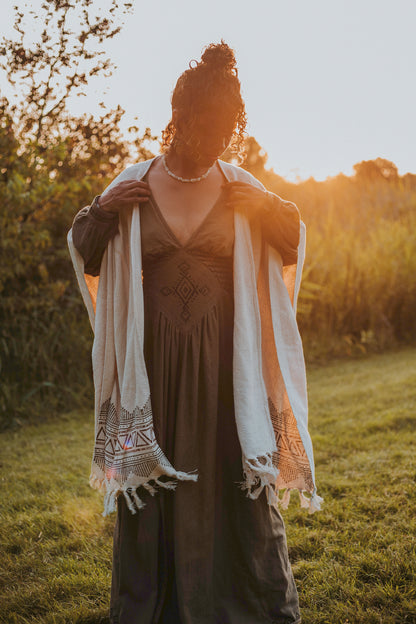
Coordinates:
(354, 562)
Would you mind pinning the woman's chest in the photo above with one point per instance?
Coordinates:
(213, 236)
(184, 206)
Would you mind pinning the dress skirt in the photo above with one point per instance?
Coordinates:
(203, 553)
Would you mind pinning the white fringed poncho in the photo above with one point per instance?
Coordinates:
(269, 380)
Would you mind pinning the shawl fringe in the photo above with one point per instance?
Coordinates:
(111, 488)
(312, 503)
(260, 474)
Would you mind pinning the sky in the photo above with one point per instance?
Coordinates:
(327, 83)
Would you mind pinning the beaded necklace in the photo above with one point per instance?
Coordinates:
(179, 178)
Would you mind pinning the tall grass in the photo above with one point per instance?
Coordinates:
(359, 291)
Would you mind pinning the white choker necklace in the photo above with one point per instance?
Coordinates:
(172, 175)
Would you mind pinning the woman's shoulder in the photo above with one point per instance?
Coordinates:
(232, 173)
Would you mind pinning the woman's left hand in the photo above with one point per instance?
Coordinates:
(244, 196)
(279, 219)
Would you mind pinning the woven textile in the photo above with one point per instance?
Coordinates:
(269, 380)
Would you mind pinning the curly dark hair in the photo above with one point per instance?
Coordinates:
(212, 83)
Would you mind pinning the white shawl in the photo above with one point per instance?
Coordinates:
(269, 380)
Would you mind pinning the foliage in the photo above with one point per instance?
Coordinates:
(48, 61)
(358, 291)
(378, 169)
(51, 164)
(353, 561)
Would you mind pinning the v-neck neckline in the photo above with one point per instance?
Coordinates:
(168, 228)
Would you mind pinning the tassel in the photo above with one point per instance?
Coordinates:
(186, 476)
(254, 494)
(129, 501)
(272, 498)
(106, 497)
(253, 483)
(112, 501)
(168, 485)
(139, 503)
(315, 502)
(147, 486)
(305, 502)
(250, 480)
(95, 482)
(284, 502)
(109, 502)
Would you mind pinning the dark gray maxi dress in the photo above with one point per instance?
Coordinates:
(203, 553)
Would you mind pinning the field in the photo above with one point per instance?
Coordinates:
(354, 561)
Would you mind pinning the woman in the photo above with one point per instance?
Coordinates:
(197, 231)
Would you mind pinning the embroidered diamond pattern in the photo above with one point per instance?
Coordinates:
(185, 289)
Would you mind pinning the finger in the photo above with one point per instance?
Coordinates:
(127, 203)
(243, 200)
(237, 196)
(241, 191)
(133, 183)
(132, 194)
(131, 199)
(129, 185)
(244, 190)
(236, 183)
(135, 200)
(231, 188)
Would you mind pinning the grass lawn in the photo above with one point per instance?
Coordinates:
(354, 562)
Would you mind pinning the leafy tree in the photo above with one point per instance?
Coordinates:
(374, 170)
(254, 159)
(51, 164)
(59, 62)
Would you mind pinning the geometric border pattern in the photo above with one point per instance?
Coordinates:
(125, 442)
(290, 458)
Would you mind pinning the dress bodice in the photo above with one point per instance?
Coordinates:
(185, 281)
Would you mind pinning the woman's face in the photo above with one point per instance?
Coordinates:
(206, 137)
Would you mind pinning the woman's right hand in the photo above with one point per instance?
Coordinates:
(124, 195)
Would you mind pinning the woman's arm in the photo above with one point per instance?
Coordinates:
(92, 230)
(280, 219)
(94, 226)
